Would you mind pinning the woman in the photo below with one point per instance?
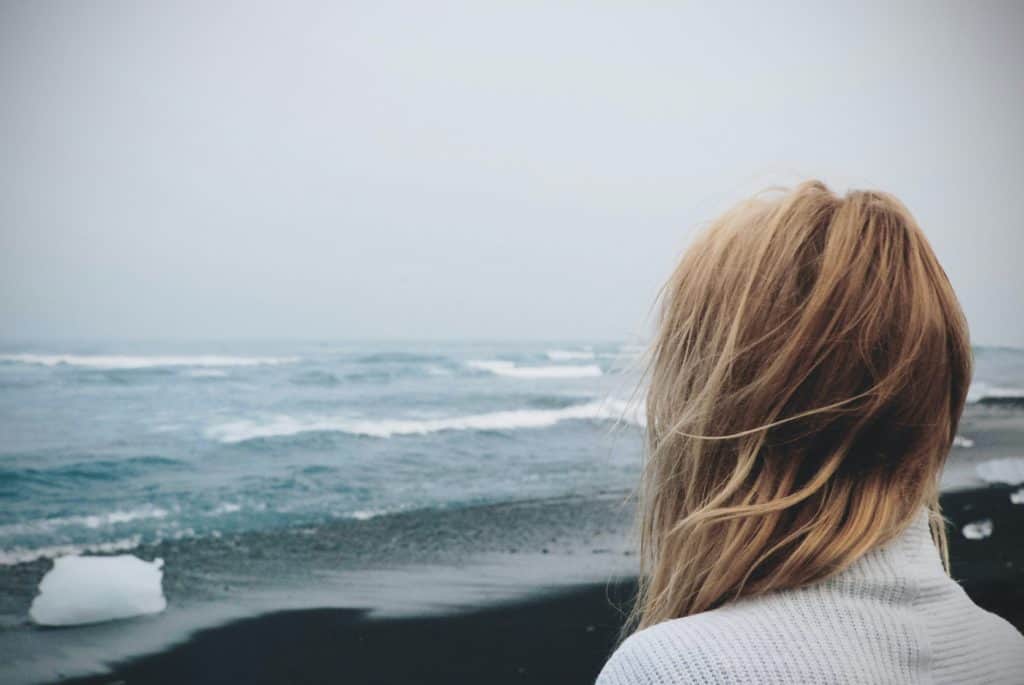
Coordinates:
(806, 382)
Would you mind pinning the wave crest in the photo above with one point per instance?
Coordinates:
(21, 555)
(93, 521)
(283, 426)
(511, 370)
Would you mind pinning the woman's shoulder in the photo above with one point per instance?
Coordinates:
(818, 635)
(778, 637)
(702, 648)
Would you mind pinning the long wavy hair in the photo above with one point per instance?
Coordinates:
(809, 370)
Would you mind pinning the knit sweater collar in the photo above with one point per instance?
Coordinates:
(901, 563)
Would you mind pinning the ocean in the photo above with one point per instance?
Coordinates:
(109, 447)
(105, 447)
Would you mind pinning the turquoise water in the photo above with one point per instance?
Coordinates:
(107, 446)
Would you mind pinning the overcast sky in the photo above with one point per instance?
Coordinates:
(482, 170)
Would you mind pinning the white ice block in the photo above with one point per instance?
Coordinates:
(81, 590)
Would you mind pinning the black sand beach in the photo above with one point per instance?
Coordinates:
(561, 636)
(532, 591)
(991, 571)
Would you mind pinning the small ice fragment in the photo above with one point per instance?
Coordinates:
(81, 590)
(1009, 470)
(961, 441)
(1017, 497)
(978, 530)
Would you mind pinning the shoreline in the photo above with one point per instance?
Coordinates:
(412, 564)
(546, 611)
(551, 636)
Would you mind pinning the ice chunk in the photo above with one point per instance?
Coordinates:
(1009, 470)
(1017, 497)
(978, 530)
(81, 590)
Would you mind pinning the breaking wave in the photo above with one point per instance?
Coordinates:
(511, 370)
(282, 426)
(85, 521)
(21, 555)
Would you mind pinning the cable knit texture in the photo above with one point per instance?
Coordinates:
(894, 616)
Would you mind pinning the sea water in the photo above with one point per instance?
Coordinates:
(104, 447)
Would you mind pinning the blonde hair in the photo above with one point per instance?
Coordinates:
(805, 384)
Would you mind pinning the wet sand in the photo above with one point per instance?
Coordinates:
(560, 636)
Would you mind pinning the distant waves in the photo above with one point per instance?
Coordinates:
(142, 362)
(109, 444)
(981, 393)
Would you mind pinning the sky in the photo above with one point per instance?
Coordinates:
(473, 170)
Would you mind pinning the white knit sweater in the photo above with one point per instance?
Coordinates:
(892, 617)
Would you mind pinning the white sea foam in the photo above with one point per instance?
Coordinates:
(21, 555)
(281, 426)
(961, 441)
(225, 508)
(1009, 470)
(511, 370)
(569, 355)
(365, 514)
(979, 391)
(84, 521)
(138, 362)
(207, 373)
(80, 590)
(1017, 497)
